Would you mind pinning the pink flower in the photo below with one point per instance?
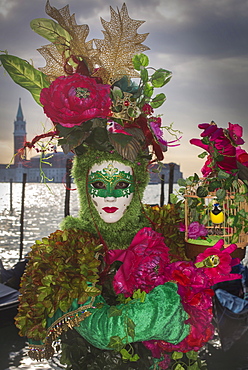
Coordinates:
(72, 100)
(155, 126)
(196, 230)
(182, 227)
(235, 132)
(221, 272)
(143, 263)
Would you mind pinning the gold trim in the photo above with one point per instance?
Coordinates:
(68, 321)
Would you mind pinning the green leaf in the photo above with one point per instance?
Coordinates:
(25, 75)
(231, 220)
(114, 311)
(173, 198)
(201, 192)
(158, 100)
(223, 175)
(144, 75)
(130, 327)
(196, 178)
(134, 358)
(125, 354)
(176, 355)
(52, 31)
(115, 343)
(193, 367)
(141, 295)
(92, 290)
(148, 90)
(121, 139)
(220, 194)
(192, 355)
(140, 60)
(160, 77)
(215, 184)
(203, 155)
(64, 306)
(179, 367)
(181, 182)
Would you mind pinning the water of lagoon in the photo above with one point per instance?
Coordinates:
(43, 212)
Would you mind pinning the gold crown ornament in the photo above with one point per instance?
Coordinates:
(86, 87)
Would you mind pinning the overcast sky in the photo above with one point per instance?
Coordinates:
(203, 42)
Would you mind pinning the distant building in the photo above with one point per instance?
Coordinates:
(57, 171)
(167, 170)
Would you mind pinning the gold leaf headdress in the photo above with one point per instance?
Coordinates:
(86, 87)
(112, 57)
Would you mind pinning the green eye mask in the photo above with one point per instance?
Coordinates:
(110, 182)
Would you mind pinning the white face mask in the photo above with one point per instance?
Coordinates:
(111, 187)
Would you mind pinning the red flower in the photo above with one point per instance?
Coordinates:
(147, 109)
(224, 141)
(221, 272)
(72, 100)
(143, 263)
(242, 156)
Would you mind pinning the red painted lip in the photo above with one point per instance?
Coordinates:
(110, 209)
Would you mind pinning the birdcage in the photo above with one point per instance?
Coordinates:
(224, 217)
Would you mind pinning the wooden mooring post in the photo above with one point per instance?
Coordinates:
(162, 191)
(11, 195)
(24, 178)
(68, 187)
(171, 180)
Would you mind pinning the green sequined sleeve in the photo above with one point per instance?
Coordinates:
(160, 316)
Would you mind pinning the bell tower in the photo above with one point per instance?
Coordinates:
(19, 134)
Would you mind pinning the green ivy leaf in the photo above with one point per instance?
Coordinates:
(158, 100)
(125, 354)
(140, 60)
(134, 358)
(141, 295)
(25, 75)
(130, 327)
(114, 311)
(115, 343)
(161, 77)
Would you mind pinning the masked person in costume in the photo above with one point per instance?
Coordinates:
(106, 285)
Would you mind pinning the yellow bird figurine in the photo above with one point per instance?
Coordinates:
(217, 215)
